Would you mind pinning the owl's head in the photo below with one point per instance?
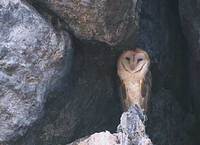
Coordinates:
(134, 62)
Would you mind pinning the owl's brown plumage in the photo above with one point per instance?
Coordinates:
(134, 73)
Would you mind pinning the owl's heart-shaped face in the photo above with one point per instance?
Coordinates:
(135, 76)
(135, 61)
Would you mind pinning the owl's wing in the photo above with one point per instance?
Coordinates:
(123, 96)
(146, 89)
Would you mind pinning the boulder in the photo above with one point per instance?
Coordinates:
(33, 59)
(109, 21)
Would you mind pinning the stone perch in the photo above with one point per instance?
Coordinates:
(131, 131)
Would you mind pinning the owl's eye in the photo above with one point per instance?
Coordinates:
(139, 59)
(127, 58)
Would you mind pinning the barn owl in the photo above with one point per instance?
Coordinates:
(135, 76)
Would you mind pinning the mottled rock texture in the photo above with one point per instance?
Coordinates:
(131, 131)
(32, 62)
(190, 20)
(109, 21)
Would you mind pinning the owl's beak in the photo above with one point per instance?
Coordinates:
(141, 67)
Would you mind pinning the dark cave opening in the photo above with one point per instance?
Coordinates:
(96, 82)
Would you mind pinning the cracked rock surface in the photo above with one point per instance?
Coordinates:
(32, 61)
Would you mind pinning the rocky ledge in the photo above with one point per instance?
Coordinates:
(131, 131)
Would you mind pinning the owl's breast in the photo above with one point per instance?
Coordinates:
(133, 93)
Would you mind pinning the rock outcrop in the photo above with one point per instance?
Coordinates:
(131, 131)
(33, 61)
(109, 21)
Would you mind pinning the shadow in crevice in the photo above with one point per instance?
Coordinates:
(160, 34)
(95, 84)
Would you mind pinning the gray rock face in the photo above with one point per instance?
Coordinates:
(32, 61)
(132, 129)
(190, 20)
(108, 21)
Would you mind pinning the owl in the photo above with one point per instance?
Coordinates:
(133, 70)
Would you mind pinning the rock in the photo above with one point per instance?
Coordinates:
(108, 21)
(33, 59)
(190, 20)
(131, 131)
(102, 138)
(132, 128)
